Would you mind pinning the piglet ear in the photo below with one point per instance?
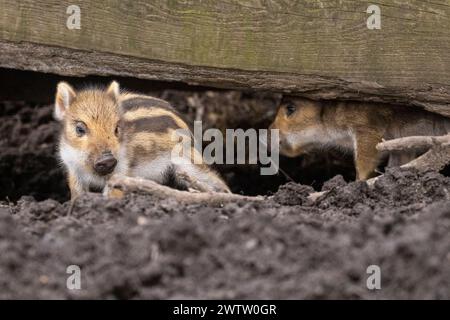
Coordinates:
(64, 97)
(113, 91)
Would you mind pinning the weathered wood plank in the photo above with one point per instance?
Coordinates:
(320, 49)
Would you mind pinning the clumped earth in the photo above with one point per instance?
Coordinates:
(285, 247)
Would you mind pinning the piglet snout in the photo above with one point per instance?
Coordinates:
(105, 164)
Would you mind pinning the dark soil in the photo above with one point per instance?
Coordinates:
(139, 248)
(285, 247)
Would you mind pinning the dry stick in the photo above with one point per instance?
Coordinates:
(163, 192)
(434, 159)
(413, 143)
(71, 206)
(313, 196)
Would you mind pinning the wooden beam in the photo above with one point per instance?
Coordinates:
(318, 49)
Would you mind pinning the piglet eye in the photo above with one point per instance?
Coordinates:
(80, 129)
(290, 109)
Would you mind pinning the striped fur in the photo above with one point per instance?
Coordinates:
(138, 130)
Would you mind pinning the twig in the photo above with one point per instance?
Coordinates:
(413, 143)
(316, 195)
(71, 206)
(129, 184)
(436, 158)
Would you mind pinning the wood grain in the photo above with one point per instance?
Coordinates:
(320, 49)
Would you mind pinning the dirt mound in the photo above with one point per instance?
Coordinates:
(397, 188)
(292, 194)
